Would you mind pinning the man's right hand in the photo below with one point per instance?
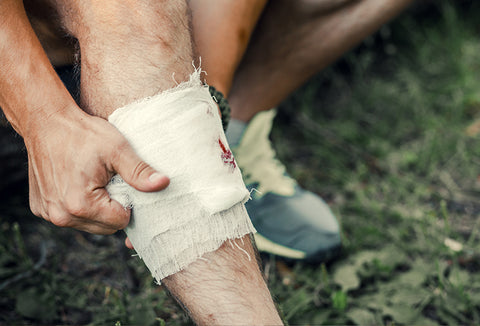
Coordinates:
(71, 159)
(71, 155)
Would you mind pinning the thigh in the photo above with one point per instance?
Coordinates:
(221, 32)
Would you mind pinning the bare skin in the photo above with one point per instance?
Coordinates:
(293, 41)
(322, 29)
(55, 130)
(264, 59)
(223, 288)
(65, 205)
(221, 32)
(67, 188)
(283, 56)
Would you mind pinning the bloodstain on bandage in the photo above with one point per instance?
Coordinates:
(227, 155)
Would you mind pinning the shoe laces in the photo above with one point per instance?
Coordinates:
(257, 158)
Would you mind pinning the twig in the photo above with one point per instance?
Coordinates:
(41, 261)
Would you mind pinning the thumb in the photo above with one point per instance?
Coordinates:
(137, 173)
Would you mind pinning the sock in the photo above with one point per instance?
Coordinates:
(235, 131)
(179, 132)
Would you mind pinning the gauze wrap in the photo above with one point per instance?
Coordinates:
(179, 133)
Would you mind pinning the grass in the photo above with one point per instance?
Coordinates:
(381, 135)
(386, 144)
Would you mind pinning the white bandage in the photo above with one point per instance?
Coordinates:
(179, 133)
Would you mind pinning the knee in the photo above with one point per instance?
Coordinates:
(123, 20)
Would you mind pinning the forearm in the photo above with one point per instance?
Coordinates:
(64, 188)
(30, 90)
(120, 66)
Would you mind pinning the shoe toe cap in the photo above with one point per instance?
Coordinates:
(302, 222)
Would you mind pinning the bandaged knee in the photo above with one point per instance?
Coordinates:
(179, 133)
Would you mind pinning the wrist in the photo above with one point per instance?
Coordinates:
(51, 119)
(40, 116)
(30, 90)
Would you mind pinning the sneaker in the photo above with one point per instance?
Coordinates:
(291, 222)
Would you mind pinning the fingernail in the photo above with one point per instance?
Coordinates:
(155, 177)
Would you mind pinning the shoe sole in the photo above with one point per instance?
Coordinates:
(267, 246)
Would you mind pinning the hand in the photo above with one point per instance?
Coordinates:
(128, 244)
(71, 159)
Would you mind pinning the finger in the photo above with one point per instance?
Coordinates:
(137, 173)
(128, 244)
(34, 194)
(107, 212)
(91, 227)
(61, 217)
(93, 212)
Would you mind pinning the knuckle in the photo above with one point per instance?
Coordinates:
(35, 209)
(38, 210)
(59, 218)
(34, 206)
(75, 206)
(119, 148)
(116, 153)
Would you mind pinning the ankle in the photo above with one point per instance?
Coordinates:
(235, 132)
(244, 106)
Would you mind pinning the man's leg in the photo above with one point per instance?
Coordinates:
(221, 32)
(294, 40)
(130, 50)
